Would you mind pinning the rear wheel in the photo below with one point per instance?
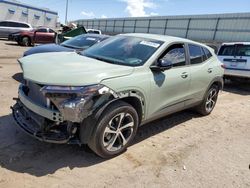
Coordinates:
(26, 41)
(208, 104)
(115, 130)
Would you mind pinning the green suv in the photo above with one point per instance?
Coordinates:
(101, 96)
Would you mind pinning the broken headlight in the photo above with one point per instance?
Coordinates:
(75, 103)
(75, 90)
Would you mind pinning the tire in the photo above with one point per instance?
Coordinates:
(115, 130)
(26, 41)
(209, 101)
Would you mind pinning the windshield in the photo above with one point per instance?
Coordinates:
(124, 50)
(81, 41)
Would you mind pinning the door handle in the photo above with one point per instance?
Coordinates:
(210, 70)
(184, 75)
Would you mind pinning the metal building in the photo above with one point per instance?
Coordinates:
(17, 11)
(213, 27)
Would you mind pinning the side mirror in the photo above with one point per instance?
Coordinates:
(165, 63)
(162, 65)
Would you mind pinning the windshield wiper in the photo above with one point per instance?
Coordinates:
(67, 46)
(102, 59)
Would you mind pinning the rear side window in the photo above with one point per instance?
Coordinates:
(227, 50)
(14, 24)
(242, 50)
(196, 54)
(3, 24)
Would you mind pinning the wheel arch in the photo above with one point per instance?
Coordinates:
(133, 97)
(218, 81)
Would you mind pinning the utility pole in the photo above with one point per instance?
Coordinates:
(66, 14)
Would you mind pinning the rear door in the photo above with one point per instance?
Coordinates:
(14, 27)
(202, 70)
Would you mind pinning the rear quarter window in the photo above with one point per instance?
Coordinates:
(207, 53)
(24, 25)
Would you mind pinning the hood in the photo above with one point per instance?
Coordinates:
(69, 69)
(47, 48)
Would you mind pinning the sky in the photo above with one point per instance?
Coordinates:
(86, 9)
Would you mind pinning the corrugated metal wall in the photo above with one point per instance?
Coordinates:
(214, 27)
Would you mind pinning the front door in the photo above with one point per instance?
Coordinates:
(40, 35)
(170, 88)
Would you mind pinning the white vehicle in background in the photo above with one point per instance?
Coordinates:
(94, 31)
(8, 27)
(236, 58)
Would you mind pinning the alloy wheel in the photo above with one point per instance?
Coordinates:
(211, 100)
(118, 131)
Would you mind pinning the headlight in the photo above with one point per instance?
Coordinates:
(81, 90)
(75, 102)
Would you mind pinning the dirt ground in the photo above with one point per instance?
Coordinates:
(182, 150)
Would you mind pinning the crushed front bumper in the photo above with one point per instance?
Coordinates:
(42, 123)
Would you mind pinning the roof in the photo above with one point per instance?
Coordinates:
(96, 35)
(164, 38)
(15, 21)
(28, 6)
(232, 43)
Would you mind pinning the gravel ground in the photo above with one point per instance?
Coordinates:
(181, 150)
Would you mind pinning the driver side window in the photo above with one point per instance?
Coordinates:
(42, 30)
(175, 55)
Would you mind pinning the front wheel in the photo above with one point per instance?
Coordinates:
(208, 103)
(26, 41)
(115, 130)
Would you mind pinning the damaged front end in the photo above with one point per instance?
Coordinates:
(55, 113)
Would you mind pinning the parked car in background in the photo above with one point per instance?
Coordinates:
(236, 58)
(96, 31)
(8, 27)
(78, 43)
(41, 35)
(100, 96)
